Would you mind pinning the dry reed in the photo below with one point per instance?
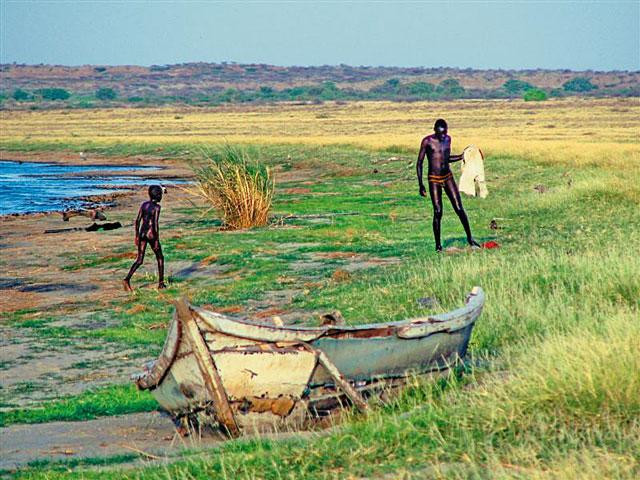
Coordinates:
(239, 190)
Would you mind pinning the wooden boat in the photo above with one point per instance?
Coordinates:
(239, 374)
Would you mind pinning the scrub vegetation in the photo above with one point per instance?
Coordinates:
(205, 84)
(552, 388)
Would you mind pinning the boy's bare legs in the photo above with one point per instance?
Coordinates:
(157, 249)
(142, 246)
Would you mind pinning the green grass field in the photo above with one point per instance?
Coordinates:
(553, 390)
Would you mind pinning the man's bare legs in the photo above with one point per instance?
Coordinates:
(451, 189)
(435, 192)
(452, 192)
(142, 247)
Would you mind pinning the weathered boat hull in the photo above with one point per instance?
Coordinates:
(238, 373)
(363, 359)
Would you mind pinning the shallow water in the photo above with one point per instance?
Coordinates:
(27, 187)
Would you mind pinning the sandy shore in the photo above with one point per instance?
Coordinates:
(33, 257)
(35, 277)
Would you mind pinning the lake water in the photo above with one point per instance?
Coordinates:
(27, 187)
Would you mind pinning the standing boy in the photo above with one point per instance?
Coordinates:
(147, 231)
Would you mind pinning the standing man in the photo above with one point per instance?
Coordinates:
(437, 147)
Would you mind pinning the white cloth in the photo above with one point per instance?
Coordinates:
(472, 180)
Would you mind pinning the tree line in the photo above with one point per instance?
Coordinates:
(393, 89)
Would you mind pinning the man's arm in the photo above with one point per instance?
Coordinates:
(455, 158)
(419, 164)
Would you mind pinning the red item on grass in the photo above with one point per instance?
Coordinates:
(491, 244)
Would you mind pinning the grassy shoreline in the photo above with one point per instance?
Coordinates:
(556, 396)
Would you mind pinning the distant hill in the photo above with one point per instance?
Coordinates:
(210, 83)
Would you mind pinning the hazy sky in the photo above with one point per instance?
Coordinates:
(578, 35)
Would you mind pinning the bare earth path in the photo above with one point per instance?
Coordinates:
(151, 435)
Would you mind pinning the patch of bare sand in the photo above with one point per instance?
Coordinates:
(351, 262)
(12, 300)
(41, 369)
(296, 174)
(182, 270)
(151, 433)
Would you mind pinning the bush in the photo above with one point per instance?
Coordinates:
(534, 95)
(84, 104)
(451, 88)
(579, 84)
(330, 91)
(53, 93)
(516, 86)
(421, 89)
(105, 93)
(239, 189)
(20, 95)
(230, 95)
(391, 86)
(267, 92)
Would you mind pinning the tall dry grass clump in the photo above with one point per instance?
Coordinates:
(238, 188)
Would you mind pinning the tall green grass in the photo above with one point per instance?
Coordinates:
(530, 292)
